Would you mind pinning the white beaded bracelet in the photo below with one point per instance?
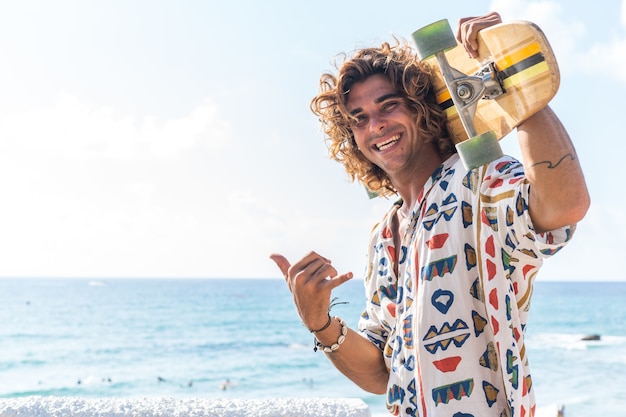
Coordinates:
(334, 346)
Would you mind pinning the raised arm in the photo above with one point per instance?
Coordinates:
(311, 281)
(558, 194)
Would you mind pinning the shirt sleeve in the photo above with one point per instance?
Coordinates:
(504, 194)
(505, 191)
(373, 323)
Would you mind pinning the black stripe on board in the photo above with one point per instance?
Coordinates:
(522, 65)
(446, 104)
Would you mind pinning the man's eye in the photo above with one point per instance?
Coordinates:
(359, 120)
(390, 105)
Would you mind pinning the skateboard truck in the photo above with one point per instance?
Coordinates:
(465, 91)
(494, 87)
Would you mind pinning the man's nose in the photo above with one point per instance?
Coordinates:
(377, 123)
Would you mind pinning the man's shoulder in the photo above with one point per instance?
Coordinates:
(506, 166)
(455, 162)
(456, 178)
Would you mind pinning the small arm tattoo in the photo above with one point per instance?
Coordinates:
(549, 163)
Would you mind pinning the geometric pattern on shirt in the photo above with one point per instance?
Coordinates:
(489, 358)
(439, 268)
(456, 333)
(455, 391)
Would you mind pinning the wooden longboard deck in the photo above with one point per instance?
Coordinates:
(527, 67)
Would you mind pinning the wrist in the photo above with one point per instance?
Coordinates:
(332, 347)
(322, 328)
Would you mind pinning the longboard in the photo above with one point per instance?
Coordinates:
(515, 55)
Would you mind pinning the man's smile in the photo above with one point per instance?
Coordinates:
(388, 143)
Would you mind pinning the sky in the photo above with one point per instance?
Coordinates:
(153, 138)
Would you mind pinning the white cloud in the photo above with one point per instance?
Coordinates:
(523, 9)
(609, 57)
(70, 128)
(591, 254)
(565, 36)
(202, 128)
(548, 15)
(256, 214)
(90, 190)
(606, 60)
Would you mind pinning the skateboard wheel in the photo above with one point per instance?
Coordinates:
(479, 150)
(434, 38)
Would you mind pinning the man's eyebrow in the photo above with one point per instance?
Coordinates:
(377, 101)
(387, 97)
(356, 111)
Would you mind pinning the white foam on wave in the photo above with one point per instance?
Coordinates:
(298, 346)
(571, 341)
(551, 410)
(191, 407)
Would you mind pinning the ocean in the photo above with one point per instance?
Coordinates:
(241, 338)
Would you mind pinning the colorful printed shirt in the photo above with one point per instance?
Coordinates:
(448, 309)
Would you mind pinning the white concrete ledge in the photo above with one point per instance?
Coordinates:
(192, 407)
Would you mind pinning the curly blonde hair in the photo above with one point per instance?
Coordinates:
(410, 77)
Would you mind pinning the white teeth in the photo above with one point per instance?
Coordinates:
(390, 142)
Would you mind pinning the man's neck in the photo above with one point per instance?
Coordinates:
(410, 185)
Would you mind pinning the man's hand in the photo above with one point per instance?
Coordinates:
(467, 32)
(311, 281)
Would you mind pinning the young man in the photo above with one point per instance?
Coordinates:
(452, 263)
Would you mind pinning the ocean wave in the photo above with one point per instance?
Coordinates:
(573, 341)
(298, 346)
(8, 365)
(61, 392)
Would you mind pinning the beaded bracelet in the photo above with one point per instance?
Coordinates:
(334, 346)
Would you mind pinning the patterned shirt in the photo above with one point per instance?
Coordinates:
(448, 309)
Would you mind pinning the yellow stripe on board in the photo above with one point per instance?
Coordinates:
(518, 56)
(528, 73)
(443, 96)
(451, 111)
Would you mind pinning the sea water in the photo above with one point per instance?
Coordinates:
(242, 338)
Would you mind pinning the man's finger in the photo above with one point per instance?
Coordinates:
(467, 32)
(340, 279)
(282, 263)
(460, 32)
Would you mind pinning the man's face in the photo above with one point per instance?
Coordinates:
(384, 126)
